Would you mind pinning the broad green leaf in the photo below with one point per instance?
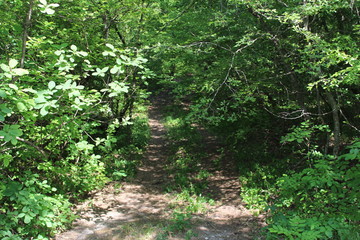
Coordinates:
(100, 72)
(59, 52)
(53, 5)
(84, 54)
(13, 63)
(119, 61)
(48, 224)
(21, 106)
(49, 11)
(73, 47)
(116, 69)
(125, 58)
(110, 46)
(51, 85)
(27, 219)
(30, 90)
(5, 109)
(40, 99)
(67, 85)
(12, 189)
(15, 131)
(6, 159)
(10, 133)
(107, 53)
(43, 111)
(2, 93)
(20, 71)
(5, 68)
(13, 86)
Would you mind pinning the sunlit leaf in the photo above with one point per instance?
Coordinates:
(13, 63)
(20, 71)
(13, 86)
(51, 85)
(43, 111)
(110, 46)
(5, 67)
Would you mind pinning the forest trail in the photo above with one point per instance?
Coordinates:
(139, 209)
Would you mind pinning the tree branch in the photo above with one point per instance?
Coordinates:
(31, 144)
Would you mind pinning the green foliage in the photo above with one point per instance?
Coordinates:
(66, 115)
(258, 186)
(27, 210)
(319, 202)
(278, 81)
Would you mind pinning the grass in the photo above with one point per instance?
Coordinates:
(189, 179)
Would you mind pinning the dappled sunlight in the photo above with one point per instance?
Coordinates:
(139, 209)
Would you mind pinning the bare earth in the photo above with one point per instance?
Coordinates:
(139, 209)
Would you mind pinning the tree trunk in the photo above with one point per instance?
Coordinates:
(27, 24)
(336, 119)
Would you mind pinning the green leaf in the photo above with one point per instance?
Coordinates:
(53, 5)
(43, 111)
(13, 63)
(73, 47)
(48, 224)
(67, 85)
(10, 133)
(5, 68)
(59, 52)
(13, 86)
(27, 219)
(110, 46)
(12, 189)
(84, 54)
(49, 11)
(2, 93)
(6, 160)
(20, 71)
(21, 106)
(5, 109)
(115, 70)
(107, 53)
(101, 72)
(51, 85)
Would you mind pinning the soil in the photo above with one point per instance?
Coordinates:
(139, 209)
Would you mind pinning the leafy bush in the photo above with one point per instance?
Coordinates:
(58, 129)
(320, 202)
(258, 186)
(27, 210)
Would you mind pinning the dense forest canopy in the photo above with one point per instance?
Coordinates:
(278, 81)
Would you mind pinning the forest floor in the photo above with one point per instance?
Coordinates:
(141, 210)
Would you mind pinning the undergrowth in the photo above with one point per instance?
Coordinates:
(36, 201)
(318, 199)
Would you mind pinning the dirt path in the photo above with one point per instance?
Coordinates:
(140, 209)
